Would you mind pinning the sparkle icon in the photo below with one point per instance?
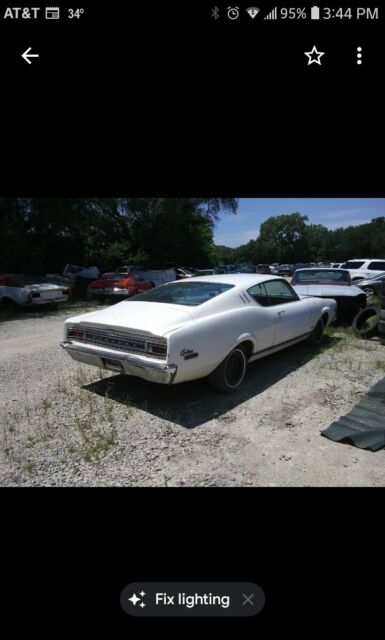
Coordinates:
(134, 599)
(142, 594)
(142, 605)
(314, 56)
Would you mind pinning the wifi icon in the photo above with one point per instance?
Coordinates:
(252, 11)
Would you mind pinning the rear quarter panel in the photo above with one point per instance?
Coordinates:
(212, 338)
(17, 294)
(320, 306)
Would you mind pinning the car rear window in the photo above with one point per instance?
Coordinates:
(191, 294)
(115, 276)
(321, 276)
(379, 265)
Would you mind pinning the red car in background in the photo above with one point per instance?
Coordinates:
(118, 285)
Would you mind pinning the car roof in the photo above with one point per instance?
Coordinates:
(322, 269)
(366, 260)
(241, 280)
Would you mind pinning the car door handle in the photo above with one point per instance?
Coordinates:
(280, 312)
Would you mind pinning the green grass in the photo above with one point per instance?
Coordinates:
(344, 330)
(29, 467)
(99, 446)
(29, 441)
(95, 443)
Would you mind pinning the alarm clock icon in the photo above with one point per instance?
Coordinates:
(233, 13)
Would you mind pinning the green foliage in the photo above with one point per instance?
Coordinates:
(287, 238)
(248, 253)
(225, 255)
(40, 235)
(283, 238)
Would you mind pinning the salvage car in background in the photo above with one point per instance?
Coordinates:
(371, 286)
(205, 326)
(330, 283)
(183, 273)
(118, 285)
(364, 267)
(204, 272)
(29, 291)
(284, 270)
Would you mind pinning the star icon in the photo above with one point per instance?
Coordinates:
(134, 599)
(142, 605)
(142, 594)
(314, 55)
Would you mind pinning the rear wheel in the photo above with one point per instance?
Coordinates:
(317, 334)
(229, 375)
(8, 304)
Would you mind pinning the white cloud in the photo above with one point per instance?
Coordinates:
(352, 222)
(343, 213)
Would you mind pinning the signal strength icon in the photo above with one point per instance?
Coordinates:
(252, 11)
(272, 15)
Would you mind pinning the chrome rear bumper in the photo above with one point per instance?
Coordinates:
(121, 363)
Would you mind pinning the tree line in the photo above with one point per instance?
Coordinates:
(289, 239)
(41, 235)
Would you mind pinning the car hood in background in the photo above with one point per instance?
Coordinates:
(44, 286)
(326, 291)
(144, 317)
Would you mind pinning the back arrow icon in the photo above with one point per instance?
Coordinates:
(26, 55)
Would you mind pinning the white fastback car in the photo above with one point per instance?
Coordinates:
(204, 326)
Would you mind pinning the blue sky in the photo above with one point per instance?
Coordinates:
(232, 231)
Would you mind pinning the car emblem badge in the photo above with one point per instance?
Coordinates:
(185, 352)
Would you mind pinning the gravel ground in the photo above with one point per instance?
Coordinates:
(63, 423)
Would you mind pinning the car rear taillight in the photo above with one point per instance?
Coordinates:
(157, 349)
(75, 333)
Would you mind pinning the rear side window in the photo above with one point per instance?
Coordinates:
(274, 292)
(259, 293)
(378, 266)
(279, 292)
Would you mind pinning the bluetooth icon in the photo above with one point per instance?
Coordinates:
(215, 13)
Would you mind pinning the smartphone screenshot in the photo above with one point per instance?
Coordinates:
(192, 316)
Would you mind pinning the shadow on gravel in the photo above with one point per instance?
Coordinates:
(191, 404)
